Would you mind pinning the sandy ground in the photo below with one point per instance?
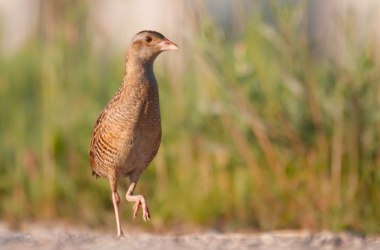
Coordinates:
(63, 238)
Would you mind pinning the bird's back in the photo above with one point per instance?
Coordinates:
(127, 134)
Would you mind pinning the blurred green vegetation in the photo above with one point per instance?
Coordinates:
(257, 132)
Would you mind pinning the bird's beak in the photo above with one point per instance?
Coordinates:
(167, 45)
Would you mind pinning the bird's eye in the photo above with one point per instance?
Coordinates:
(148, 39)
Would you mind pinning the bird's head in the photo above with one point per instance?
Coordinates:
(147, 45)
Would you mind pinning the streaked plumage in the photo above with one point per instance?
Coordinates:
(127, 133)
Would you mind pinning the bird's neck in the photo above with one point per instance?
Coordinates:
(137, 71)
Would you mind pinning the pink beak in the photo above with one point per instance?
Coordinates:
(167, 45)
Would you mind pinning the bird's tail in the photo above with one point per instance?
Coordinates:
(95, 174)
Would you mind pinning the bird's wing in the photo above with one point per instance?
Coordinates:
(113, 135)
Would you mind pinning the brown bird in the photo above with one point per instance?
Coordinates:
(127, 133)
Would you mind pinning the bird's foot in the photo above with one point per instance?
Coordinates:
(141, 203)
(120, 234)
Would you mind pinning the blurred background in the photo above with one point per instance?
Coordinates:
(270, 112)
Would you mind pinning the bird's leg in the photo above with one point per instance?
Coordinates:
(139, 202)
(116, 203)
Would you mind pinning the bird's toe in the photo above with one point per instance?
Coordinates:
(141, 203)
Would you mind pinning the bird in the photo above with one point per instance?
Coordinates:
(127, 134)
